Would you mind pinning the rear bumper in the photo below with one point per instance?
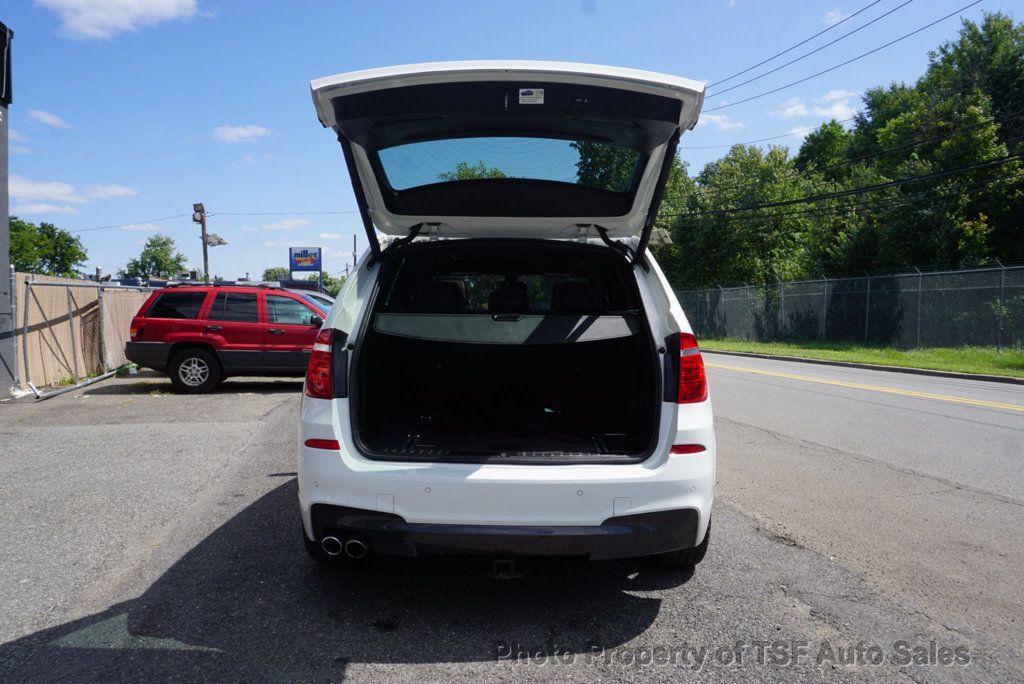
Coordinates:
(148, 354)
(483, 507)
(626, 536)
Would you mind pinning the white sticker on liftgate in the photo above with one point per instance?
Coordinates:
(531, 96)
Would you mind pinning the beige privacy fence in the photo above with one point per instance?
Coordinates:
(68, 330)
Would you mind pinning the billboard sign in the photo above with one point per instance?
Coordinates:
(304, 259)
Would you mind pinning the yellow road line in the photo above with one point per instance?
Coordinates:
(873, 388)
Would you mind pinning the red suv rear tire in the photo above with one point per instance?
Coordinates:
(195, 370)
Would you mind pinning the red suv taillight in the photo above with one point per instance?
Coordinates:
(319, 378)
(693, 382)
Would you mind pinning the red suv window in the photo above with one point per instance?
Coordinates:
(177, 305)
(288, 311)
(241, 307)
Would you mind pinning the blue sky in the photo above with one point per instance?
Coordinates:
(127, 112)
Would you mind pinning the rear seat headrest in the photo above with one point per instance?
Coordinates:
(442, 294)
(508, 301)
(575, 297)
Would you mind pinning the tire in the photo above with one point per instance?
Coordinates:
(684, 559)
(195, 370)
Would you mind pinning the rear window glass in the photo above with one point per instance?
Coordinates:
(534, 283)
(177, 305)
(592, 164)
(234, 306)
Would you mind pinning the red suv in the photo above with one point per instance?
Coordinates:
(201, 334)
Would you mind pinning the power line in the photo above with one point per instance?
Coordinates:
(280, 213)
(859, 190)
(849, 61)
(815, 50)
(125, 225)
(912, 198)
(752, 142)
(794, 47)
(211, 213)
(849, 162)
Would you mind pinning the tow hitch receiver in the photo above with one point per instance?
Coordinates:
(504, 567)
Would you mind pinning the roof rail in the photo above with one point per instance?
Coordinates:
(192, 283)
(263, 283)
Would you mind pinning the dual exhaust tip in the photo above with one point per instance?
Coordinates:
(354, 547)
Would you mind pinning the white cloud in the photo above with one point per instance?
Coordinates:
(144, 228)
(840, 94)
(835, 16)
(837, 110)
(47, 118)
(103, 19)
(837, 105)
(337, 257)
(330, 236)
(287, 224)
(244, 133)
(253, 158)
(15, 136)
(42, 208)
(20, 149)
(22, 188)
(108, 191)
(794, 106)
(732, 3)
(719, 121)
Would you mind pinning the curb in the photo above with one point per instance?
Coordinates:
(875, 366)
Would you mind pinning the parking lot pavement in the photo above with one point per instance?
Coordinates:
(150, 535)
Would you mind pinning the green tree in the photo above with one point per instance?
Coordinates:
(159, 258)
(964, 110)
(276, 273)
(605, 166)
(45, 249)
(825, 150)
(332, 284)
(718, 244)
(466, 171)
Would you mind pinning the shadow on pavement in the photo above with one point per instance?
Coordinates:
(152, 384)
(248, 603)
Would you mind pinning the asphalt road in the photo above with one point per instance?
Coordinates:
(148, 535)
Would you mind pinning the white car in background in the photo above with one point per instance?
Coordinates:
(509, 371)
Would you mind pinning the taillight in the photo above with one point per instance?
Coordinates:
(693, 382)
(135, 332)
(318, 375)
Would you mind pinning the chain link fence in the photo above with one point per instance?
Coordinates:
(978, 307)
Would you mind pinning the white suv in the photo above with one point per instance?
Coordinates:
(509, 371)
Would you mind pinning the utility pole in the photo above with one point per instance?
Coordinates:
(353, 255)
(8, 350)
(199, 216)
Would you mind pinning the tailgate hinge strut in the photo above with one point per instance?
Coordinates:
(619, 247)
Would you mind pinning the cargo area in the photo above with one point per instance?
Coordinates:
(507, 351)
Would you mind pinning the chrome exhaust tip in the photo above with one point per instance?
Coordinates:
(356, 548)
(331, 546)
